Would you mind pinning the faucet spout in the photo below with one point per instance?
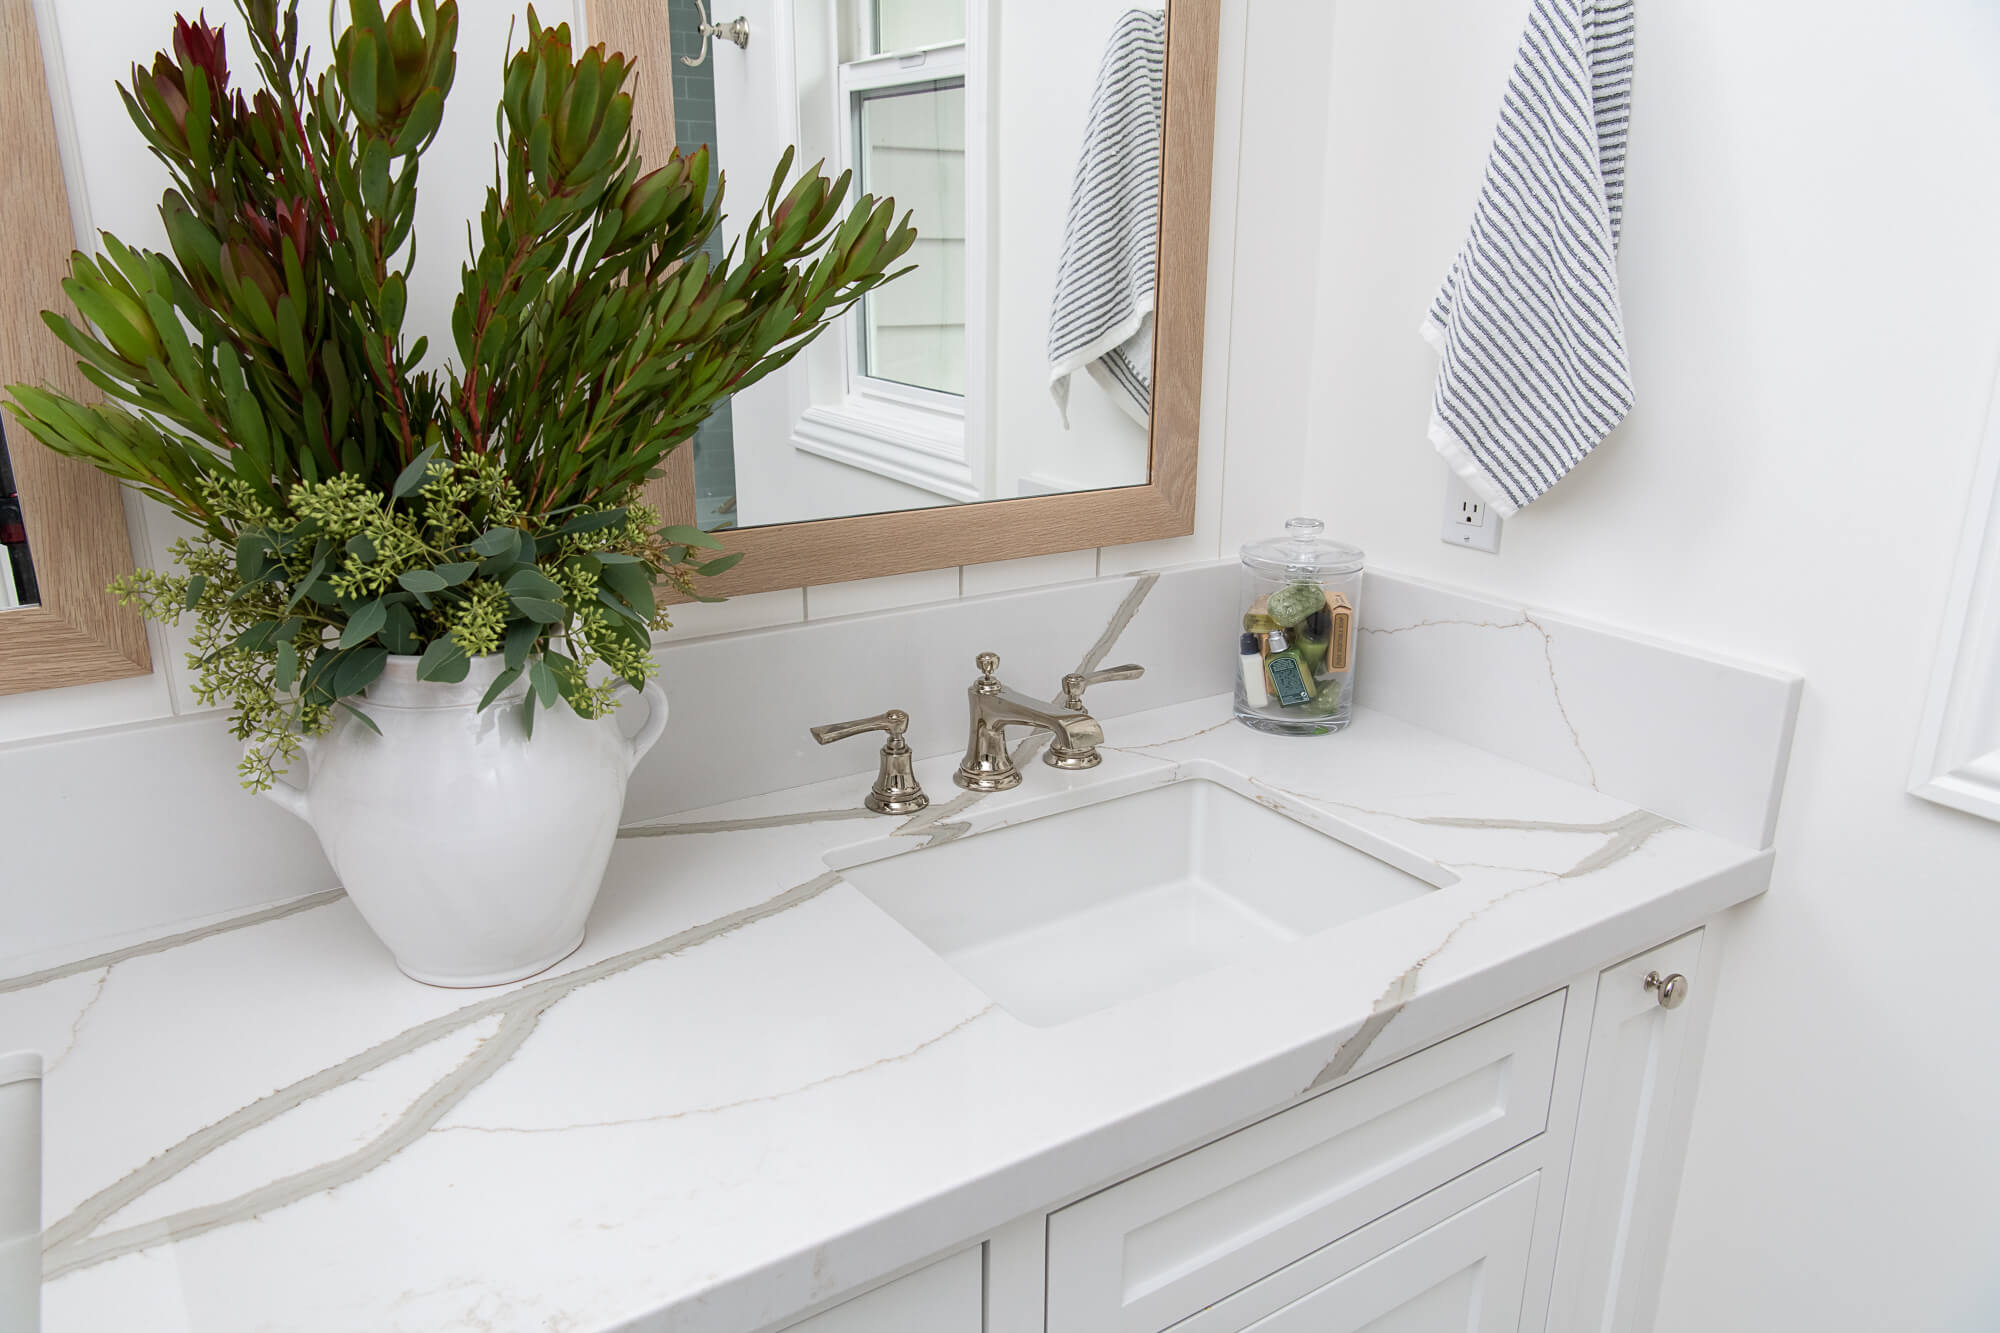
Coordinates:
(987, 766)
(1074, 728)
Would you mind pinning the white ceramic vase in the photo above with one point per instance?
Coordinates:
(473, 850)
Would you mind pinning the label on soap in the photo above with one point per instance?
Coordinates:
(1288, 682)
(1340, 643)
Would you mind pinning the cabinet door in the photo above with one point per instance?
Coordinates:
(1630, 1135)
(1149, 1251)
(1463, 1275)
(944, 1298)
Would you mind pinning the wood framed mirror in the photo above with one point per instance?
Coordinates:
(65, 521)
(888, 87)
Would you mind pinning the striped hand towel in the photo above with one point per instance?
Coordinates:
(1533, 371)
(1102, 315)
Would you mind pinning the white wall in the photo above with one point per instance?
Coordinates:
(1810, 277)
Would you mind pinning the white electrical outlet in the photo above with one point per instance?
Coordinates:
(1468, 521)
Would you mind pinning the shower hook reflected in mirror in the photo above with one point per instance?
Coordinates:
(737, 31)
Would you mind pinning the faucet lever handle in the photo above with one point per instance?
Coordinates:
(1064, 755)
(895, 722)
(1076, 682)
(896, 790)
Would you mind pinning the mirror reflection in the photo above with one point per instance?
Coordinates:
(1016, 359)
(17, 571)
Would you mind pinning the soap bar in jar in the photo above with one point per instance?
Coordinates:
(1301, 595)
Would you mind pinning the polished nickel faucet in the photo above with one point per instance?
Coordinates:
(987, 766)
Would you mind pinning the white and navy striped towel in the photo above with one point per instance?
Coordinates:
(1528, 325)
(1102, 315)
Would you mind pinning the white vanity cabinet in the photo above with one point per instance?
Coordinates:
(1518, 1177)
(1631, 1129)
(1466, 1273)
(1153, 1250)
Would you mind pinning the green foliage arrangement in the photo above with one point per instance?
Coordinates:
(352, 503)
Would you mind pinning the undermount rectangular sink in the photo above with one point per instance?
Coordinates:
(1062, 916)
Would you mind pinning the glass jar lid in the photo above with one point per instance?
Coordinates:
(1302, 551)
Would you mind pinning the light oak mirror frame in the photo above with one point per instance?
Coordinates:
(75, 517)
(834, 550)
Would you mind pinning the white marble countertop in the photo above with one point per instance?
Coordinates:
(752, 1090)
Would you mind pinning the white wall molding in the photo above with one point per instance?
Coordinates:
(1958, 747)
(918, 446)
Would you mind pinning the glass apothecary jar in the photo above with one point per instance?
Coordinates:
(1295, 647)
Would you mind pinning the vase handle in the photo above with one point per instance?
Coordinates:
(656, 725)
(285, 795)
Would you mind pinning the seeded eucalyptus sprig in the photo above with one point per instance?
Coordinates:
(354, 500)
(305, 607)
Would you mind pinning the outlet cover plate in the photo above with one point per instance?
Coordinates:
(1468, 520)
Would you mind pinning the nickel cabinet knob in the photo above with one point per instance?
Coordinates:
(1671, 990)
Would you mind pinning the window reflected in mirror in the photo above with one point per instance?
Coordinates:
(1015, 357)
(913, 150)
(910, 25)
(17, 571)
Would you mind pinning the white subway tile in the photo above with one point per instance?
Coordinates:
(1034, 572)
(884, 594)
(752, 610)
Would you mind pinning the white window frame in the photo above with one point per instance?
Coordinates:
(935, 441)
(1958, 751)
